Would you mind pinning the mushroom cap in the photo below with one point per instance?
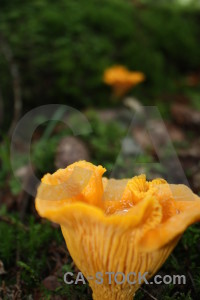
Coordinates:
(121, 79)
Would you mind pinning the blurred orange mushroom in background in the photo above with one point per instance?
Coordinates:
(113, 225)
(121, 79)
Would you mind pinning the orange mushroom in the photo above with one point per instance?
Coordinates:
(121, 79)
(128, 225)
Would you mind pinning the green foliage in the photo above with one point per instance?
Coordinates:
(15, 185)
(179, 296)
(184, 261)
(5, 161)
(26, 248)
(104, 140)
(104, 143)
(193, 95)
(66, 45)
(7, 246)
(42, 159)
(31, 242)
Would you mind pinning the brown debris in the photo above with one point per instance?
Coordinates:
(196, 182)
(193, 151)
(51, 283)
(69, 150)
(2, 270)
(184, 115)
(142, 137)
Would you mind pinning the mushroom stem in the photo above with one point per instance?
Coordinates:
(113, 292)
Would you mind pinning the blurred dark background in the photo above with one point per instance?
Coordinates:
(62, 49)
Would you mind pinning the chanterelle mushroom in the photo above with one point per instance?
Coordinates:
(119, 226)
(121, 79)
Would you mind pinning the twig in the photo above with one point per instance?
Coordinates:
(18, 274)
(195, 169)
(17, 295)
(23, 197)
(1, 107)
(151, 296)
(3, 288)
(192, 281)
(7, 52)
(13, 222)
